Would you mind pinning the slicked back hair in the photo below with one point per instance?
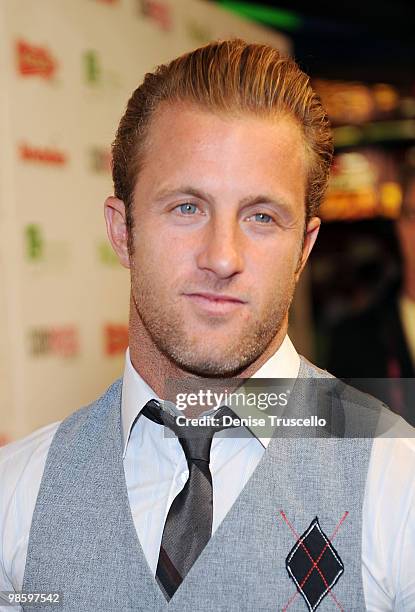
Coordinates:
(231, 77)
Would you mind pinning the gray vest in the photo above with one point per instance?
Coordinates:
(83, 542)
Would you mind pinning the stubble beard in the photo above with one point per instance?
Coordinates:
(166, 327)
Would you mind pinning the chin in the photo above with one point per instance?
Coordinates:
(206, 366)
(204, 370)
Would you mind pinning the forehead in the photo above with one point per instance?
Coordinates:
(185, 142)
(201, 125)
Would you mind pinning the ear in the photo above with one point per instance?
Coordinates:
(312, 229)
(115, 219)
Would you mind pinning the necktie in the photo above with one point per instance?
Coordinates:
(188, 525)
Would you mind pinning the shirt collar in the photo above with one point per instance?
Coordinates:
(284, 363)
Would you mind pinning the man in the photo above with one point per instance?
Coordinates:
(219, 165)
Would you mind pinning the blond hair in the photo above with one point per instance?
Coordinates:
(230, 76)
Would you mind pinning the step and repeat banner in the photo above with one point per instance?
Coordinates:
(67, 69)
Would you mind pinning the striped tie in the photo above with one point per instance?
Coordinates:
(188, 526)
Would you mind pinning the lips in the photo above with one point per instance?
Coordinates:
(217, 297)
(215, 303)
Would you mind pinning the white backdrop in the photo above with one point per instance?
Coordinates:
(67, 68)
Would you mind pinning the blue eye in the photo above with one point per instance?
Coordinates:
(263, 217)
(188, 209)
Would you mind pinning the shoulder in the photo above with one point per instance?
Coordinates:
(389, 500)
(389, 518)
(22, 465)
(24, 459)
(21, 469)
(26, 454)
(388, 537)
(392, 465)
(22, 462)
(394, 439)
(310, 370)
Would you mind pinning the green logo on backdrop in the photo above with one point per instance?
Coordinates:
(34, 242)
(91, 67)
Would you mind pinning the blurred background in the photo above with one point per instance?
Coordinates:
(66, 71)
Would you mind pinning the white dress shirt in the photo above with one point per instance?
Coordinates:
(156, 470)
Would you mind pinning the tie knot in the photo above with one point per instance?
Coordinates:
(195, 435)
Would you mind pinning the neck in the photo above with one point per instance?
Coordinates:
(155, 368)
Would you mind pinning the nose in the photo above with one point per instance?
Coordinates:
(221, 248)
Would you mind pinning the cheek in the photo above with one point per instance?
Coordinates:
(275, 264)
(273, 282)
(159, 266)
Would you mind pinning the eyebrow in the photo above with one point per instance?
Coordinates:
(249, 200)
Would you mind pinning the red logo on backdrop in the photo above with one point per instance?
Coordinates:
(44, 155)
(100, 159)
(116, 338)
(35, 61)
(4, 439)
(62, 341)
(159, 12)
